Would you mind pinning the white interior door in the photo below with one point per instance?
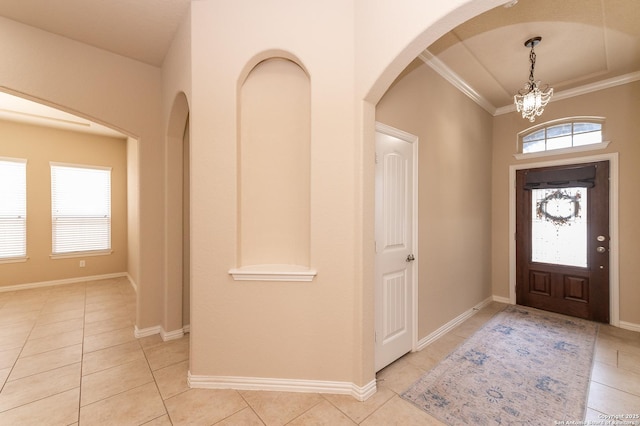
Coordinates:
(395, 200)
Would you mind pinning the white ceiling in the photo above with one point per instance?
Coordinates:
(585, 42)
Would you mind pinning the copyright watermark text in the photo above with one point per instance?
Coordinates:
(605, 420)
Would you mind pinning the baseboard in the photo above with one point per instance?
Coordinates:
(133, 283)
(501, 299)
(62, 282)
(362, 393)
(629, 326)
(282, 385)
(426, 341)
(171, 335)
(157, 329)
(146, 332)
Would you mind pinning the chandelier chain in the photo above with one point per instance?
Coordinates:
(532, 59)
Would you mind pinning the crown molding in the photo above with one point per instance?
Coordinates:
(453, 78)
(448, 74)
(583, 90)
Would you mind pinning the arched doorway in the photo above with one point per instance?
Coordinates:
(407, 52)
(31, 112)
(177, 256)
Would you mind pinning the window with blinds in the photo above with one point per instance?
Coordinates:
(13, 209)
(80, 209)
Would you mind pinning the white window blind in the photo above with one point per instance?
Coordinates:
(13, 208)
(80, 208)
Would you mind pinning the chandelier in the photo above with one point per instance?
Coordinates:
(532, 99)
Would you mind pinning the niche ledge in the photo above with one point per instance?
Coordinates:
(273, 272)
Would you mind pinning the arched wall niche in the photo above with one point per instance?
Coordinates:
(263, 56)
(178, 117)
(177, 256)
(274, 163)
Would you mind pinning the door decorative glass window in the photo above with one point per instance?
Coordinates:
(559, 226)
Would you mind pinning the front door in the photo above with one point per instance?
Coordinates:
(562, 239)
(394, 260)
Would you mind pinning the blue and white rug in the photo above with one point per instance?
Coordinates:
(524, 366)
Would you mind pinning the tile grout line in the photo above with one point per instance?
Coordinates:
(338, 408)
(310, 408)
(249, 406)
(84, 324)
(47, 299)
(120, 295)
(155, 382)
(2, 388)
(23, 345)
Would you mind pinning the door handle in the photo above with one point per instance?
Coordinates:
(410, 258)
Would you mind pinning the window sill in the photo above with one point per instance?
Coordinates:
(14, 259)
(80, 254)
(574, 149)
(273, 273)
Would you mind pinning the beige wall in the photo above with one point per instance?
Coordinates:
(454, 192)
(40, 145)
(621, 107)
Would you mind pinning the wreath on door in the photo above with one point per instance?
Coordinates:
(556, 198)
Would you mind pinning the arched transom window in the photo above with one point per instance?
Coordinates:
(566, 134)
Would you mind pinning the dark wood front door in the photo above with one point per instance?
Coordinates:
(562, 239)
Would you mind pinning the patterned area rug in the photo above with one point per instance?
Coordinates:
(524, 366)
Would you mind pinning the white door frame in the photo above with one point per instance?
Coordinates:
(614, 260)
(413, 140)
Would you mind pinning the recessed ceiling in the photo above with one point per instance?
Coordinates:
(583, 42)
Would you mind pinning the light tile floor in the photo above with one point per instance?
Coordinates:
(68, 356)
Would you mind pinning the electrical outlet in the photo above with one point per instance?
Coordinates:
(82, 264)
